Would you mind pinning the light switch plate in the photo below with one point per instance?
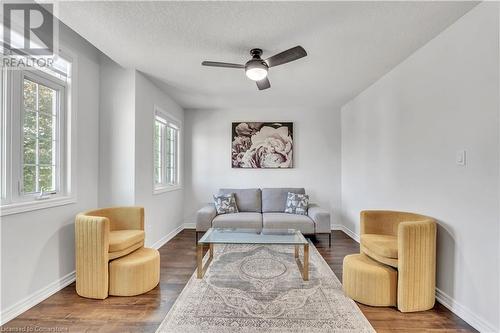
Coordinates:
(461, 157)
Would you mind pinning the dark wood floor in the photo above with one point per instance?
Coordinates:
(65, 311)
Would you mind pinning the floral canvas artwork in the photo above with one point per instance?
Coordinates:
(262, 145)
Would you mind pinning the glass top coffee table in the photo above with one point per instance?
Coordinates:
(250, 236)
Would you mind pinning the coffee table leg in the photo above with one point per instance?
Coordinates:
(199, 260)
(306, 263)
(200, 271)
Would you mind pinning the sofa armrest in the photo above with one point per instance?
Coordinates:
(321, 218)
(204, 217)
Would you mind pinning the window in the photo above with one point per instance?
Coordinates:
(35, 137)
(166, 152)
(40, 151)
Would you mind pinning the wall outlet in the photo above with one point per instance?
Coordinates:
(461, 158)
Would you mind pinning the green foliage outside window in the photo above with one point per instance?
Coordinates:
(39, 125)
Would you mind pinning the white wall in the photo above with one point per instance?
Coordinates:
(128, 100)
(163, 211)
(316, 156)
(116, 134)
(399, 141)
(37, 247)
(114, 167)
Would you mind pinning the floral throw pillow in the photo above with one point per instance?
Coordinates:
(225, 203)
(297, 203)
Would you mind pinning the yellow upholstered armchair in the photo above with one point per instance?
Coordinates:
(407, 242)
(100, 236)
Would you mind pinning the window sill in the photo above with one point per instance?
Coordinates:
(165, 189)
(22, 207)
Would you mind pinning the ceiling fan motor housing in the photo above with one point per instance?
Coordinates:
(256, 61)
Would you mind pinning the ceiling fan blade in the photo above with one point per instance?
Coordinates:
(292, 54)
(221, 64)
(263, 84)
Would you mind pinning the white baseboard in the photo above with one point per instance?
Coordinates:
(463, 312)
(35, 298)
(162, 241)
(447, 301)
(346, 230)
(189, 225)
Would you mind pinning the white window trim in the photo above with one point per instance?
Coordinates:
(162, 188)
(70, 154)
(61, 132)
(166, 188)
(27, 206)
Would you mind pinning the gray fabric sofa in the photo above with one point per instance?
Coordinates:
(264, 209)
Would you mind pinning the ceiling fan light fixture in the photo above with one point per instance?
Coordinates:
(256, 74)
(256, 70)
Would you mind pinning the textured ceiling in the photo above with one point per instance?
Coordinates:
(350, 45)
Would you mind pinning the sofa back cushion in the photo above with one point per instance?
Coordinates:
(274, 199)
(247, 199)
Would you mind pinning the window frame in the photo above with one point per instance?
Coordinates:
(60, 138)
(13, 201)
(168, 121)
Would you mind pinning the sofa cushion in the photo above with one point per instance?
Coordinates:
(274, 199)
(288, 221)
(247, 200)
(382, 245)
(122, 239)
(245, 220)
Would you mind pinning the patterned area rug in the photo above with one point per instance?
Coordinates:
(255, 288)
